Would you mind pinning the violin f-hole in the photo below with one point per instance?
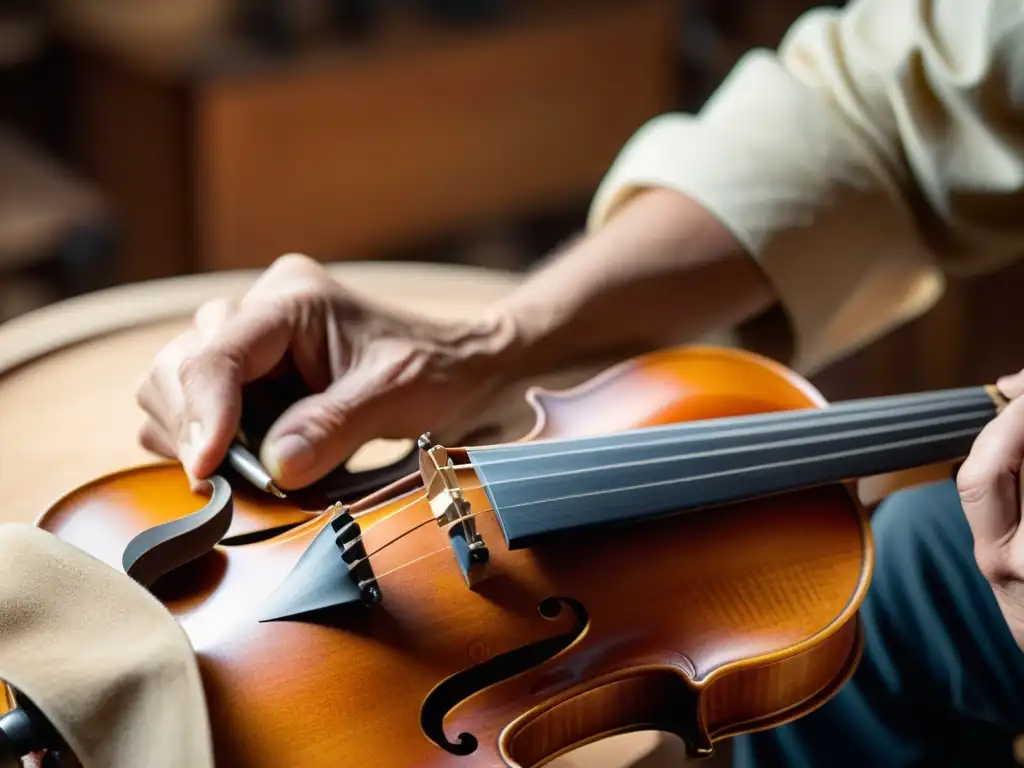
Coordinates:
(461, 686)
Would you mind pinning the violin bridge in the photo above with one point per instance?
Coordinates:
(451, 510)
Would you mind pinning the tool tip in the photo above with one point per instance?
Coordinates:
(275, 490)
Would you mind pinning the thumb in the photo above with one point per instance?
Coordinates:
(988, 485)
(320, 432)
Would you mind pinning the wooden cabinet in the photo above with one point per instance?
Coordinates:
(349, 152)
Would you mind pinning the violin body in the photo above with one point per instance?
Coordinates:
(706, 624)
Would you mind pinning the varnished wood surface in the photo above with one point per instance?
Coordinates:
(667, 387)
(68, 375)
(703, 625)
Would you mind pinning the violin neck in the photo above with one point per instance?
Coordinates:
(551, 487)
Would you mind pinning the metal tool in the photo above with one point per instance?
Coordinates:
(249, 467)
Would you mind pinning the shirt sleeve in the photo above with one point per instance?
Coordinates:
(877, 152)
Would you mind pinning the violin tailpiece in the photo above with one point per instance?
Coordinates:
(333, 572)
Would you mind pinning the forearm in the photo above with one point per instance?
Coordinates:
(663, 271)
(851, 186)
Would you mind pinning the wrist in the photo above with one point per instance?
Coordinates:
(525, 329)
(479, 353)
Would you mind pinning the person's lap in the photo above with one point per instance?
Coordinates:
(941, 681)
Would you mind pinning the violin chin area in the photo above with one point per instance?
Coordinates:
(649, 699)
(748, 698)
(766, 693)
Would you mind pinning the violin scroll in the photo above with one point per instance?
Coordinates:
(157, 551)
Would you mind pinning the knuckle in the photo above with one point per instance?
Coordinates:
(295, 261)
(144, 394)
(150, 437)
(293, 268)
(975, 480)
(293, 276)
(180, 437)
(211, 305)
(170, 355)
(165, 366)
(992, 563)
(201, 368)
(192, 368)
(325, 419)
(330, 416)
(214, 308)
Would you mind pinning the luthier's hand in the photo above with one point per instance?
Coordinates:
(662, 269)
(374, 373)
(990, 491)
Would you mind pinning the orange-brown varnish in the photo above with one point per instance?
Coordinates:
(706, 625)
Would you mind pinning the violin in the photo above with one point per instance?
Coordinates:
(677, 545)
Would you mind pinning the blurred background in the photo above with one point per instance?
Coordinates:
(153, 138)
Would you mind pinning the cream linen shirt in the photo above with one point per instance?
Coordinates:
(879, 151)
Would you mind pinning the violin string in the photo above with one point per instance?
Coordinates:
(637, 486)
(567, 497)
(802, 442)
(400, 536)
(695, 430)
(735, 432)
(384, 519)
(416, 527)
(363, 513)
(411, 562)
(573, 496)
(743, 431)
(724, 473)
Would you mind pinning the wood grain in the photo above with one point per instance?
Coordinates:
(704, 625)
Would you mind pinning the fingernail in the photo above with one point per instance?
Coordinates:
(291, 453)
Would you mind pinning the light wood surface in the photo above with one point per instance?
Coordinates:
(68, 375)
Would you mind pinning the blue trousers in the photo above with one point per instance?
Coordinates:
(941, 681)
